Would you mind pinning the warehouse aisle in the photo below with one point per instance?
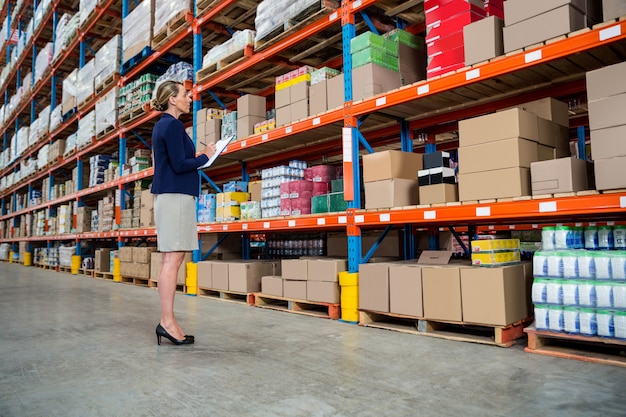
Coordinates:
(76, 346)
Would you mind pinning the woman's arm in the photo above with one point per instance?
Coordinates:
(175, 137)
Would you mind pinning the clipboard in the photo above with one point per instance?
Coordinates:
(220, 145)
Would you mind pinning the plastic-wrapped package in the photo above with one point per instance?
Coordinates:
(272, 14)
(238, 42)
(180, 71)
(137, 29)
(84, 82)
(107, 60)
(22, 139)
(70, 144)
(86, 129)
(42, 156)
(56, 116)
(70, 91)
(65, 32)
(27, 83)
(106, 111)
(165, 11)
(43, 61)
(86, 8)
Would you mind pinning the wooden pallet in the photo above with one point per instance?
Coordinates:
(503, 336)
(225, 63)
(105, 132)
(309, 15)
(50, 267)
(67, 269)
(305, 307)
(103, 275)
(87, 272)
(112, 79)
(171, 29)
(141, 282)
(131, 115)
(582, 348)
(155, 284)
(232, 296)
(205, 5)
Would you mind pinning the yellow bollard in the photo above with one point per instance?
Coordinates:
(28, 259)
(117, 275)
(349, 283)
(191, 282)
(76, 260)
(10, 257)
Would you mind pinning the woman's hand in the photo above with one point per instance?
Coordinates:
(209, 150)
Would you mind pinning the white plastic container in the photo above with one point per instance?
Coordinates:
(604, 294)
(555, 318)
(541, 317)
(571, 323)
(554, 292)
(569, 260)
(605, 237)
(619, 295)
(619, 323)
(540, 264)
(606, 327)
(587, 320)
(602, 262)
(591, 237)
(586, 265)
(619, 237)
(547, 238)
(562, 237)
(587, 294)
(570, 293)
(539, 291)
(555, 265)
(618, 265)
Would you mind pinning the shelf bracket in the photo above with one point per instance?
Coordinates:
(134, 132)
(362, 119)
(369, 253)
(405, 136)
(369, 23)
(219, 242)
(217, 99)
(210, 181)
(459, 240)
(582, 149)
(409, 242)
(364, 142)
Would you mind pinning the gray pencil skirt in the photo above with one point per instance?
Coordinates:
(175, 218)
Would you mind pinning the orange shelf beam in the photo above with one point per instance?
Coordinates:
(320, 221)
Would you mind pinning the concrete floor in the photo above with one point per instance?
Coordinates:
(75, 346)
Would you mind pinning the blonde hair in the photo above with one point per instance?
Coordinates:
(165, 90)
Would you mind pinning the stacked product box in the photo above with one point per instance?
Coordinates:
(136, 93)
(613, 9)
(207, 209)
(390, 179)
(137, 29)
(43, 61)
(250, 112)
(141, 159)
(529, 24)
(84, 82)
(40, 127)
(250, 210)
(483, 40)
(107, 60)
(411, 51)
(86, 130)
(374, 65)
(208, 127)
(445, 20)
(606, 92)
(64, 33)
(83, 219)
(238, 276)
(237, 43)
(228, 205)
(495, 252)
(64, 216)
(272, 15)
(229, 125)
(70, 91)
(494, 8)
(318, 93)
(292, 95)
(580, 291)
(271, 180)
(106, 112)
(56, 150)
(56, 116)
(330, 202)
(97, 165)
(146, 209)
(166, 11)
(86, 8)
(180, 71)
(106, 213)
(437, 181)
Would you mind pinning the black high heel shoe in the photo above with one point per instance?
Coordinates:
(161, 332)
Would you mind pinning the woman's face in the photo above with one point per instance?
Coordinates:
(182, 101)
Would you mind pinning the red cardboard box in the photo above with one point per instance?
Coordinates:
(447, 58)
(454, 24)
(300, 206)
(284, 190)
(300, 189)
(436, 71)
(443, 12)
(285, 207)
(321, 188)
(437, 44)
(320, 173)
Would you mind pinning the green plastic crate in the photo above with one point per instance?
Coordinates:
(336, 186)
(366, 40)
(319, 204)
(375, 56)
(336, 202)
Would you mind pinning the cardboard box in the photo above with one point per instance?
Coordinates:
(245, 125)
(219, 275)
(283, 116)
(513, 123)
(503, 183)
(517, 10)
(205, 274)
(141, 270)
(612, 9)
(299, 92)
(272, 285)
(294, 289)
(146, 217)
(483, 40)
(552, 134)
(607, 112)
(322, 291)
(441, 291)
(318, 98)
(494, 296)
(335, 92)
(102, 260)
(446, 9)
(141, 254)
(545, 153)
(147, 199)
(246, 276)
(610, 173)
(405, 290)
(545, 26)
(371, 79)
(326, 269)
(299, 110)
(386, 165)
(445, 25)
(411, 64)
(374, 287)
(507, 153)
(558, 176)
(251, 105)
(294, 269)
(550, 109)
(396, 192)
(126, 254)
(438, 193)
(254, 188)
(608, 143)
(282, 98)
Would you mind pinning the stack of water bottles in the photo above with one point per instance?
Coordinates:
(580, 281)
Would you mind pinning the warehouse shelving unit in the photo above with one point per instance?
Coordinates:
(393, 119)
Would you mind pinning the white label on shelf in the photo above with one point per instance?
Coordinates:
(359, 219)
(473, 74)
(578, 224)
(610, 223)
(533, 56)
(559, 224)
(333, 16)
(512, 227)
(483, 211)
(347, 144)
(243, 143)
(492, 227)
(622, 202)
(291, 223)
(316, 121)
(264, 137)
(547, 207)
(592, 224)
(321, 221)
(225, 227)
(423, 89)
(430, 215)
(611, 32)
(381, 101)
(288, 129)
(244, 226)
(342, 220)
(266, 225)
(535, 226)
(385, 217)
(356, 4)
(136, 233)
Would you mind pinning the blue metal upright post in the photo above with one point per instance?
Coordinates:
(409, 235)
(582, 147)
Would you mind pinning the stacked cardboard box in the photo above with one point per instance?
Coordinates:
(228, 205)
(208, 127)
(56, 150)
(84, 82)
(102, 260)
(106, 111)
(137, 29)
(606, 92)
(374, 65)
(237, 276)
(146, 213)
(250, 111)
(445, 20)
(292, 96)
(271, 180)
(83, 219)
(530, 23)
(330, 202)
(483, 40)
(318, 91)
(70, 90)
(107, 60)
(65, 218)
(390, 179)
(437, 181)
(612, 9)
(496, 150)
(494, 8)
(106, 213)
